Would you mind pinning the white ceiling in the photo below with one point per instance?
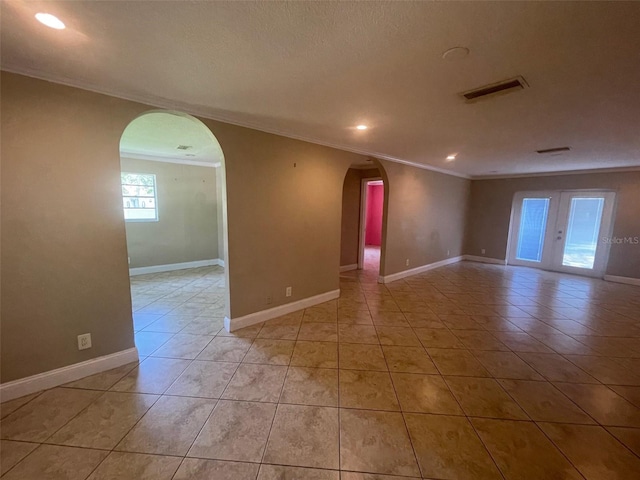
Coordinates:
(314, 70)
(157, 136)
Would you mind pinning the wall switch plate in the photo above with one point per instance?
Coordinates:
(84, 341)
(407, 262)
(288, 292)
(269, 299)
(483, 251)
(129, 260)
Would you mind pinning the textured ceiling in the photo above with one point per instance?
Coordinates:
(314, 70)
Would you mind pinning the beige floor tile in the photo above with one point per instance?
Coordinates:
(271, 352)
(304, 436)
(506, 365)
(183, 345)
(457, 362)
(149, 342)
(246, 332)
(104, 422)
(408, 359)
(104, 380)
(235, 431)
(319, 332)
(388, 318)
(315, 354)
(397, 336)
(321, 314)
(632, 394)
(424, 320)
(522, 342)
(372, 476)
(52, 462)
(361, 357)
(169, 427)
(353, 333)
(199, 469)
(137, 466)
(40, 418)
(11, 406)
(544, 402)
(203, 379)
(603, 404)
(629, 436)
(279, 331)
(593, 451)
(438, 338)
(170, 323)
(311, 386)
(375, 442)
(276, 472)
(424, 393)
(479, 340)
(484, 397)
(448, 447)
(204, 326)
(457, 321)
(355, 316)
(556, 368)
(12, 452)
(153, 375)
(367, 389)
(226, 349)
(256, 383)
(522, 451)
(605, 369)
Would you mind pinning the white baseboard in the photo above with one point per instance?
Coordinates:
(475, 258)
(232, 324)
(415, 271)
(175, 266)
(70, 373)
(627, 280)
(348, 268)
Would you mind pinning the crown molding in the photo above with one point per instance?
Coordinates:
(205, 113)
(153, 158)
(557, 174)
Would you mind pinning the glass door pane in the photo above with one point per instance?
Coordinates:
(533, 226)
(583, 227)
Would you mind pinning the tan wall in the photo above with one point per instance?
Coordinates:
(425, 215)
(351, 196)
(187, 226)
(491, 202)
(64, 262)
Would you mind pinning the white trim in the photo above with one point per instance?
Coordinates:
(475, 258)
(415, 271)
(558, 173)
(233, 324)
(70, 373)
(627, 280)
(153, 101)
(348, 268)
(155, 158)
(174, 266)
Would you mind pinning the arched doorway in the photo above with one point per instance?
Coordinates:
(174, 205)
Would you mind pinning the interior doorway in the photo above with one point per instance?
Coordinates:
(371, 212)
(563, 231)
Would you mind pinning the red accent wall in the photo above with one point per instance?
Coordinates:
(373, 231)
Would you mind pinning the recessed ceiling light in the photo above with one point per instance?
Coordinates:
(362, 127)
(50, 21)
(451, 157)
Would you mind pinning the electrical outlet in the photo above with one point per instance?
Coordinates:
(407, 262)
(483, 251)
(288, 292)
(269, 299)
(84, 341)
(129, 260)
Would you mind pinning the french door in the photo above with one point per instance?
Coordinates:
(562, 230)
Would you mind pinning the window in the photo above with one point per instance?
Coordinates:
(139, 197)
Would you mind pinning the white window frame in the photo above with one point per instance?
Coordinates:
(155, 198)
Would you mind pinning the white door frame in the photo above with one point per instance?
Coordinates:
(557, 219)
(363, 217)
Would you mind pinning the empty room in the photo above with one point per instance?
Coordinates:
(319, 240)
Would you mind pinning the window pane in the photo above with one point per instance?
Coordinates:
(533, 225)
(139, 196)
(582, 232)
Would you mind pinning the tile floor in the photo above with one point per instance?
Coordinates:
(469, 371)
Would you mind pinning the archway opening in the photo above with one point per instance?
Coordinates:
(174, 206)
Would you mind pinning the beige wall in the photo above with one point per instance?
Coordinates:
(64, 262)
(491, 202)
(425, 215)
(351, 196)
(187, 226)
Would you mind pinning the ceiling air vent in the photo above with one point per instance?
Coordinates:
(552, 151)
(184, 147)
(500, 88)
